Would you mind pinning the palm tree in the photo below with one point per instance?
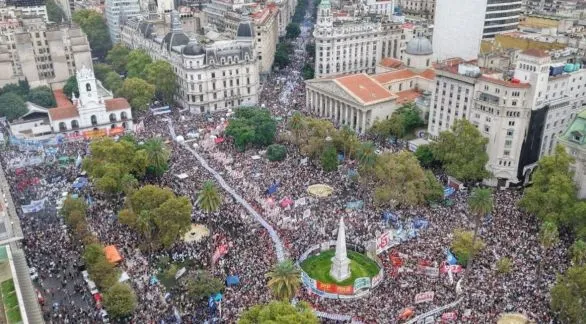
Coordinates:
(296, 124)
(480, 204)
(209, 199)
(284, 280)
(157, 155)
(366, 154)
(548, 237)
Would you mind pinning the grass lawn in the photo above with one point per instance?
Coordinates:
(10, 302)
(14, 316)
(7, 287)
(318, 267)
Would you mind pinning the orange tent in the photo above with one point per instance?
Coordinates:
(112, 254)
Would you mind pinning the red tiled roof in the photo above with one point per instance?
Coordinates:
(535, 52)
(116, 104)
(391, 63)
(364, 88)
(428, 74)
(60, 113)
(407, 96)
(505, 83)
(394, 76)
(61, 98)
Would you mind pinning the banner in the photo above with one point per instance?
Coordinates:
(428, 271)
(449, 316)
(424, 297)
(384, 242)
(445, 268)
(335, 289)
(300, 202)
(34, 206)
(361, 283)
(377, 279)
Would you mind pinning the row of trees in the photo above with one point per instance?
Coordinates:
(399, 178)
(403, 122)
(251, 126)
(119, 298)
(116, 166)
(13, 99)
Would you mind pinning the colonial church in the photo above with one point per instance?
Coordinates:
(95, 110)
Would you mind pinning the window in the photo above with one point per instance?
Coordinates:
(511, 123)
(74, 124)
(112, 117)
(510, 132)
(94, 120)
(88, 87)
(123, 115)
(506, 153)
(62, 127)
(508, 143)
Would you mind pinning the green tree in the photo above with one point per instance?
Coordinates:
(578, 253)
(70, 206)
(279, 312)
(94, 26)
(329, 159)
(12, 106)
(120, 300)
(158, 215)
(21, 88)
(284, 280)
(101, 70)
(310, 49)
(308, 72)
(548, 237)
(128, 183)
(251, 125)
(297, 125)
(113, 82)
(399, 180)
(366, 154)
(480, 205)
(568, 296)
(425, 156)
(161, 75)
(462, 245)
(42, 96)
(138, 92)
(209, 199)
(503, 265)
(157, 155)
(316, 131)
(346, 140)
(276, 152)
(293, 31)
(54, 12)
(462, 152)
(137, 61)
(71, 87)
(282, 55)
(435, 190)
(118, 57)
(552, 196)
(202, 284)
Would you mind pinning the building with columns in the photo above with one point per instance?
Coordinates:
(348, 46)
(358, 100)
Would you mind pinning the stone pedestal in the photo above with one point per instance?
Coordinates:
(340, 263)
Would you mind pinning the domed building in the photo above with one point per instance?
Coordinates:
(419, 53)
(175, 37)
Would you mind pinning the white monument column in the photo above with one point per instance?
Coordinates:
(340, 263)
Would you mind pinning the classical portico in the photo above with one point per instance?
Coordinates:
(354, 100)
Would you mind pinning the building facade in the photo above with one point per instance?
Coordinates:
(468, 22)
(422, 8)
(44, 54)
(352, 47)
(117, 9)
(266, 30)
(521, 116)
(210, 77)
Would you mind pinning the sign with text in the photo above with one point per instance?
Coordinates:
(361, 283)
(424, 297)
(384, 242)
(429, 271)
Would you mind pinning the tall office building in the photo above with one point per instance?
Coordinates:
(460, 25)
(115, 9)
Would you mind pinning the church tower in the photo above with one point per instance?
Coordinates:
(88, 87)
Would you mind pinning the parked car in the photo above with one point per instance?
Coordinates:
(92, 286)
(105, 316)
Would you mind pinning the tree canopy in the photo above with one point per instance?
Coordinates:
(161, 75)
(400, 180)
(71, 87)
(12, 106)
(136, 63)
(276, 152)
(138, 92)
(118, 57)
(284, 280)
(209, 198)
(462, 245)
(568, 295)
(279, 312)
(54, 12)
(42, 96)
(120, 300)
(158, 215)
(94, 26)
(202, 284)
(462, 152)
(293, 30)
(252, 125)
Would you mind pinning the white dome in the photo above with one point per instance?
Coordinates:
(419, 46)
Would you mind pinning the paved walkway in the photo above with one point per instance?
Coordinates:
(278, 244)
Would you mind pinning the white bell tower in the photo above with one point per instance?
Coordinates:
(88, 87)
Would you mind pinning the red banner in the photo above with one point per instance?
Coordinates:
(335, 289)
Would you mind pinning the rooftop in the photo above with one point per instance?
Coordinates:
(391, 63)
(535, 52)
(407, 96)
(364, 88)
(63, 113)
(116, 104)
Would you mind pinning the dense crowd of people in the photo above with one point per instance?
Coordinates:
(51, 249)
